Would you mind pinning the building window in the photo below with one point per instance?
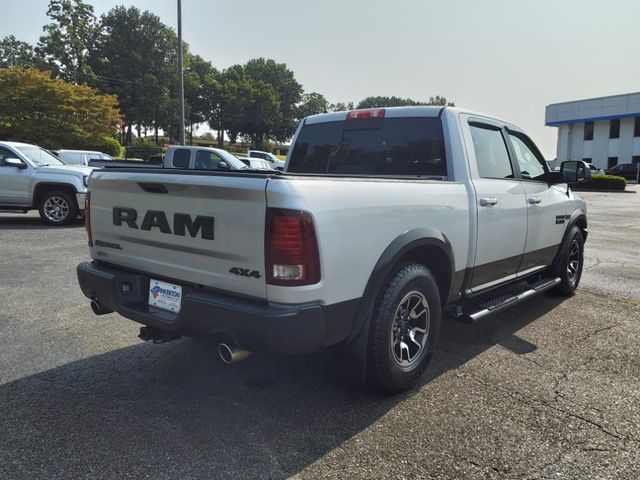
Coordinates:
(612, 162)
(614, 128)
(588, 160)
(635, 159)
(636, 127)
(588, 131)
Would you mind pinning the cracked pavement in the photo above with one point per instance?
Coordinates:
(546, 390)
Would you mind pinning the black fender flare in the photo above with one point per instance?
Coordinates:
(577, 216)
(41, 187)
(400, 246)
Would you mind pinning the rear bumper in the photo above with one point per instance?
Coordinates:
(255, 325)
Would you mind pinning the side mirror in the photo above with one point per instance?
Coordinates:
(223, 166)
(15, 162)
(575, 171)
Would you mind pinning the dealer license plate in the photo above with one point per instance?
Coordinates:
(165, 295)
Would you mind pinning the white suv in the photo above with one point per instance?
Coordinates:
(269, 157)
(81, 157)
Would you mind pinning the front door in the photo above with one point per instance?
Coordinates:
(14, 181)
(546, 221)
(501, 206)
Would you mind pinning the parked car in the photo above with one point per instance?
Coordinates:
(31, 178)
(385, 219)
(201, 158)
(594, 170)
(269, 157)
(626, 170)
(82, 157)
(256, 163)
(177, 156)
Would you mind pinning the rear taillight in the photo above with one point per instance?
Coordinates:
(291, 248)
(87, 217)
(365, 114)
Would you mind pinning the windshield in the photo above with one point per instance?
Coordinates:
(39, 156)
(232, 161)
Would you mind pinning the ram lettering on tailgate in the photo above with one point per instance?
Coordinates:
(182, 222)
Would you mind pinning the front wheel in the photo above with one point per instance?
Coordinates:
(58, 208)
(569, 263)
(404, 329)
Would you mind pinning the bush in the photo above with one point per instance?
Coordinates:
(143, 148)
(603, 182)
(108, 145)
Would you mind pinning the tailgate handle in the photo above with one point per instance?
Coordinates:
(153, 187)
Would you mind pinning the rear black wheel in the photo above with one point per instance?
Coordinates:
(404, 329)
(569, 263)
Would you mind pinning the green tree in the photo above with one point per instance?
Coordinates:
(288, 92)
(69, 38)
(379, 102)
(135, 58)
(53, 113)
(15, 53)
(341, 106)
(261, 112)
(228, 97)
(312, 103)
(198, 74)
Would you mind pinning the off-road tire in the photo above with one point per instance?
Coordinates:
(384, 371)
(563, 266)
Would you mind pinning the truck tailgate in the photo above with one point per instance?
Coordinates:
(204, 229)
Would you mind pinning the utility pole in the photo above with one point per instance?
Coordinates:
(180, 74)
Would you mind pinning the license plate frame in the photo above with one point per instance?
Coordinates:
(164, 295)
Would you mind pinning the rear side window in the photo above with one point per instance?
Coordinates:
(491, 152)
(411, 146)
(181, 158)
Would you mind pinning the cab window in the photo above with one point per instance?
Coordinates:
(492, 157)
(181, 158)
(207, 160)
(531, 167)
(4, 154)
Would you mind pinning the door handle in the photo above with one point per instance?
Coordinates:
(534, 200)
(488, 201)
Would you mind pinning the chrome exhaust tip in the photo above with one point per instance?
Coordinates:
(230, 353)
(99, 309)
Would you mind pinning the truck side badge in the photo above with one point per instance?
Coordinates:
(245, 272)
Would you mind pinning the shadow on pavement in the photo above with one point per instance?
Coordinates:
(29, 222)
(174, 411)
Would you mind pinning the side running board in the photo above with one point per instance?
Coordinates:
(501, 303)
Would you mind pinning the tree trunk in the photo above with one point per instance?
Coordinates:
(127, 140)
(220, 138)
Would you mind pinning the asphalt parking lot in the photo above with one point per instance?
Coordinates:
(548, 390)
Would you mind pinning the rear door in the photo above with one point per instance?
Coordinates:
(202, 229)
(501, 204)
(545, 204)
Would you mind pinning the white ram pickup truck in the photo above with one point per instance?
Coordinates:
(32, 178)
(383, 221)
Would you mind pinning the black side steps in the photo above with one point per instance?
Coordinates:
(498, 304)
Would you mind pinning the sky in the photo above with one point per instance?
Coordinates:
(508, 58)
